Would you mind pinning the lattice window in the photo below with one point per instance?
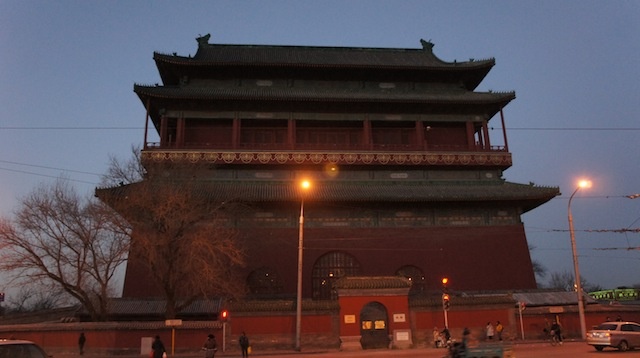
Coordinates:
(329, 268)
(264, 282)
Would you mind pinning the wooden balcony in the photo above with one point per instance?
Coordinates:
(451, 156)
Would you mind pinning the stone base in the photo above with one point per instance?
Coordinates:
(350, 343)
(402, 339)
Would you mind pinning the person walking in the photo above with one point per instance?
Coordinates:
(81, 341)
(210, 346)
(158, 348)
(244, 345)
(499, 329)
(489, 331)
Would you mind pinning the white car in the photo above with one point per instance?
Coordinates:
(15, 348)
(621, 335)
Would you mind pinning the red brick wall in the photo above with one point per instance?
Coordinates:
(473, 258)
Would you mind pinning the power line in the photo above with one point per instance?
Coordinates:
(565, 129)
(71, 128)
(45, 167)
(47, 176)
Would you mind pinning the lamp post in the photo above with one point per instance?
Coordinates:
(304, 185)
(576, 268)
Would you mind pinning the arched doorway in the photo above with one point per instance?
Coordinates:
(374, 329)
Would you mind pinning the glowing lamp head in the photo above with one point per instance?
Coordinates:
(584, 184)
(445, 281)
(305, 184)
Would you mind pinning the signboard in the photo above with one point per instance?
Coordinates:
(349, 318)
(399, 317)
(173, 322)
(556, 309)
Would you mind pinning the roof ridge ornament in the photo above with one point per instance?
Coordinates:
(427, 45)
(203, 40)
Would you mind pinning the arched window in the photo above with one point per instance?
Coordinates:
(264, 282)
(327, 269)
(414, 274)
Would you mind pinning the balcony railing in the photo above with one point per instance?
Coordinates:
(324, 147)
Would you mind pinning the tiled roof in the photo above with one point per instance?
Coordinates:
(372, 282)
(208, 54)
(281, 305)
(550, 298)
(137, 307)
(461, 300)
(323, 95)
(369, 191)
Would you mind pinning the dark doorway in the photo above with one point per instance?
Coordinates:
(374, 331)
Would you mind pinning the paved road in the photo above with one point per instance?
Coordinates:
(521, 350)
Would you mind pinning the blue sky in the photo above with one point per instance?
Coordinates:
(67, 70)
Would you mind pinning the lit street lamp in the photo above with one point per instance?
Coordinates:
(304, 185)
(576, 268)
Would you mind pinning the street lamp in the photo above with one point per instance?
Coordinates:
(576, 268)
(304, 185)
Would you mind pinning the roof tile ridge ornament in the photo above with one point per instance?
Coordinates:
(427, 45)
(203, 40)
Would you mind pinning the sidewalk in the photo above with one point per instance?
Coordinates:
(195, 354)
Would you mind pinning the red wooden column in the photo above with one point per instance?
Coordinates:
(291, 133)
(180, 132)
(146, 125)
(504, 131)
(235, 132)
(485, 132)
(471, 139)
(366, 137)
(420, 135)
(164, 128)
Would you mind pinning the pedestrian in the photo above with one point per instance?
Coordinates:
(489, 331)
(437, 338)
(447, 335)
(499, 329)
(244, 345)
(556, 330)
(210, 347)
(81, 341)
(158, 348)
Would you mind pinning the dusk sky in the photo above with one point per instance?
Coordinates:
(67, 70)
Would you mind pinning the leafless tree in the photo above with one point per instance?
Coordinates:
(33, 298)
(183, 238)
(565, 281)
(122, 172)
(58, 237)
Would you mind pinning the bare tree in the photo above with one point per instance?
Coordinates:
(30, 298)
(60, 238)
(565, 281)
(538, 269)
(122, 172)
(182, 237)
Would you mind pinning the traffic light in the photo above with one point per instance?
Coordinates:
(223, 316)
(445, 302)
(444, 284)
